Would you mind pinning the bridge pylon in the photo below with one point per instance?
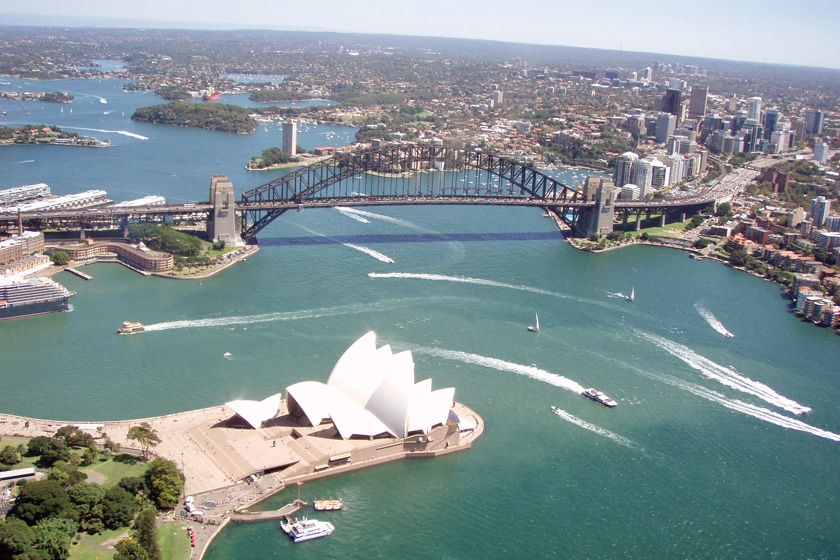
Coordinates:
(221, 223)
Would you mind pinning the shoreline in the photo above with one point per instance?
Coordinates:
(236, 469)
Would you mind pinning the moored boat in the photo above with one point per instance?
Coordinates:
(328, 505)
(129, 327)
(306, 529)
(598, 397)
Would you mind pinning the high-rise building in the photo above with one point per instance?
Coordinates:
(498, 98)
(647, 74)
(661, 174)
(643, 176)
(820, 207)
(813, 121)
(820, 151)
(672, 103)
(771, 119)
(697, 103)
(289, 137)
(624, 166)
(665, 125)
(754, 108)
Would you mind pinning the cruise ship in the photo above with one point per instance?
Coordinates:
(32, 296)
(598, 397)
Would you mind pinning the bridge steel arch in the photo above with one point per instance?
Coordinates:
(407, 174)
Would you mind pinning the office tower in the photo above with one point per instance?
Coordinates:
(820, 151)
(647, 74)
(643, 176)
(697, 103)
(498, 98)
(672, 102)
(290, 137)
(771, 119)
(813, 121)
(660, 174)
(665, 125)
(624, 168)
(820, 207)
(752, 135)
(754, 108)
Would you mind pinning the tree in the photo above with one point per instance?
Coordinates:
(74, 437)
(16, 538)
(145, 530)
(9, 456)
(165, 483)
(145, 435)
(130, 549)
(53, 537)
(48, 450)
(118, 508)
(41, 499)
(738, 257)
(60, 258)
(87, 502)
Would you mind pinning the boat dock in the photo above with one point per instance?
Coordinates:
(286, 511)
(79, 273)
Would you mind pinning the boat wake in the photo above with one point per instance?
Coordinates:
(501, 365)
(593, 428)
(758, 412)
(26, 161)
(465, 280)
(368, 251)
(712, 320)
(352, 215)
(726, 375)
(302, 314)
(122, 132)
(376, 216)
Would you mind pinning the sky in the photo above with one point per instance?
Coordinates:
(800, 32)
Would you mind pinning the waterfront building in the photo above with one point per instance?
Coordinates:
(697, 102)
(813, 121)
(820, 151)
(21, 245)
(289, 137)
(820, 207)
(629, 192)
(624, 168)
(24, 192)
(665, 125)
(643, 176)
(754, 108)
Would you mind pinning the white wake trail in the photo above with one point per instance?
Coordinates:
(464, 280)
(712, 320)
(593, 428)
(758, 412)
(726, 375)
(380, 217)
(352, 215)
(122, 132)
(494, 363)
(368, 251)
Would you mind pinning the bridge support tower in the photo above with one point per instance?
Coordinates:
(600, 219)
(221, 224)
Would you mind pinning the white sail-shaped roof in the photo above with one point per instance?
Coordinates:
(370, 392)
(256, 412)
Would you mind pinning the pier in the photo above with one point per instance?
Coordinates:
(284, 512)
(79, 273)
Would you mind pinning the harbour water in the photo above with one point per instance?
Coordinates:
(704, 456)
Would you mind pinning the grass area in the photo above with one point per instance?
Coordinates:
(174, 541)
(669, 230)
(87, 547)
(108, 473)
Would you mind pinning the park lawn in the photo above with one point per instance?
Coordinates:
(669, 230)
(174, 541)
(85, 548)
(108, 473)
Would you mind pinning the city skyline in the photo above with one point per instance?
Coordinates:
(769, 32)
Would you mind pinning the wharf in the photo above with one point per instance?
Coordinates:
(79, 273)
(284, 512)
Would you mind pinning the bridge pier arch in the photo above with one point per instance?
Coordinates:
(221, 223)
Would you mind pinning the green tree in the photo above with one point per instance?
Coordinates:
(118, 508)
(74, 437)
(17, 539)
(130, 549)
(145, 529)
(165, 483)
(41, 499)
(60, 258)
(739, 257)
(9, 456)
(53, 537)
(87, 502)
(66, 473)
(144, 435)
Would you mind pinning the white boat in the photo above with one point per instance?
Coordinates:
(536, 326)
(598, 397)
(306, 529)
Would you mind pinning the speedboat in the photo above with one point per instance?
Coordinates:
(306, 529)
(598, 397)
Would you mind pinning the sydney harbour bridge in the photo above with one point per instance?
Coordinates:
(399, 174)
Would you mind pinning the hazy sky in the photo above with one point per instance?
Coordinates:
(800, 32)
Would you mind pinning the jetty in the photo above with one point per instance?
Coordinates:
(283, 513)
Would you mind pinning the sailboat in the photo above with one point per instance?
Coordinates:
(632, 296)
(535, 327)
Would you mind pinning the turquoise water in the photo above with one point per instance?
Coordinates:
(703, 457)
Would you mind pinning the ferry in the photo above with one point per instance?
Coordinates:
(598, 397)
(130, 328)
(306, 529)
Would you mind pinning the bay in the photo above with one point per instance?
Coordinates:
(702, 458)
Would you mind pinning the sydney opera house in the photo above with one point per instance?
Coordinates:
(369, 411)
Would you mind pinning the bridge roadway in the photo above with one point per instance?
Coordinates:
(116, 215)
